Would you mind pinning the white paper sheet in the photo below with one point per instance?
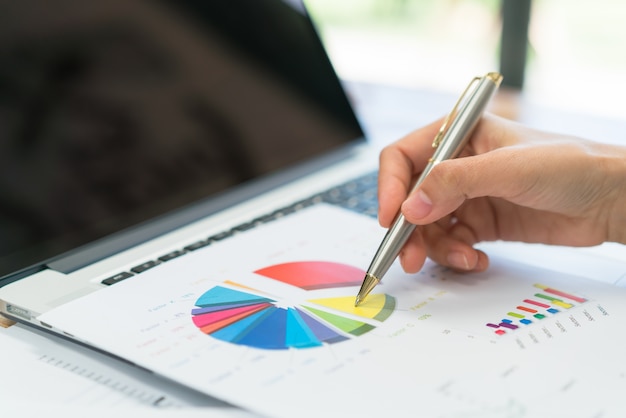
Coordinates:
(67, 378)
(288, 342)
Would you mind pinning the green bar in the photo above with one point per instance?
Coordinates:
(515, 315)
(550, 298)
(539, 316)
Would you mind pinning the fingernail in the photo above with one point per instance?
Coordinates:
(418, 206)
(458, 260)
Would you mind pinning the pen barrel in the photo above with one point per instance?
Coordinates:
(390, 247)
(464, 122)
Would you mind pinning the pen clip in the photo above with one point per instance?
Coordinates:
(452, 114)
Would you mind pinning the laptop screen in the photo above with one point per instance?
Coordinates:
(116, 112)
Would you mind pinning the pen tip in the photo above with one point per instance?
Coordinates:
(369, 282)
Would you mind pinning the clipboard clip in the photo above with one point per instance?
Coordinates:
(453, 112)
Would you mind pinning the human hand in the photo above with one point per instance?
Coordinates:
(510, 183)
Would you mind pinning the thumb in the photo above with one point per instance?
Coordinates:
(451, 182)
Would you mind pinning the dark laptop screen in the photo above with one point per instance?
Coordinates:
(115, 112)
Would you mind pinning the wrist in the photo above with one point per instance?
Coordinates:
(616, 225)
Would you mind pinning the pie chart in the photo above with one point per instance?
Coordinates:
(241, 315)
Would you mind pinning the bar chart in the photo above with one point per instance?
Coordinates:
(546, 302)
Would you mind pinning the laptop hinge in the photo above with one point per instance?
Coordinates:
(21, 274)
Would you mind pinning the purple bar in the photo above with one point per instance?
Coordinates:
(510, 326)
(493, 325)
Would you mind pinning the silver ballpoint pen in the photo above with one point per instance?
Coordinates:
(448, 143)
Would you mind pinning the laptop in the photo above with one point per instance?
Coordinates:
(135, 133)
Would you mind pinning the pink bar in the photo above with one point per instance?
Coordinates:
(565, 295)
(532, 302)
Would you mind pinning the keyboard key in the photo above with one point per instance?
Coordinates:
(221, 236)
(117, 278)
(198, 245)
(172, 255)
(244, 227)
(144, 266)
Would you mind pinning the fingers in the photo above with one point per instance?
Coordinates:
(402, 161)
(452, 247)
(448, 247)
(399, 164)
(413, 254)
(499, 173)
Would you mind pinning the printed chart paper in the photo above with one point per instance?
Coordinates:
(266, 320)
(67, 376)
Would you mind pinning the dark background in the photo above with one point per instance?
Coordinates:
(112, 113)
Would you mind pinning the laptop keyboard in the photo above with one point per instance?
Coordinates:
(358, 195)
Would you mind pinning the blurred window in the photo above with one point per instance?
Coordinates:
(575, 58)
